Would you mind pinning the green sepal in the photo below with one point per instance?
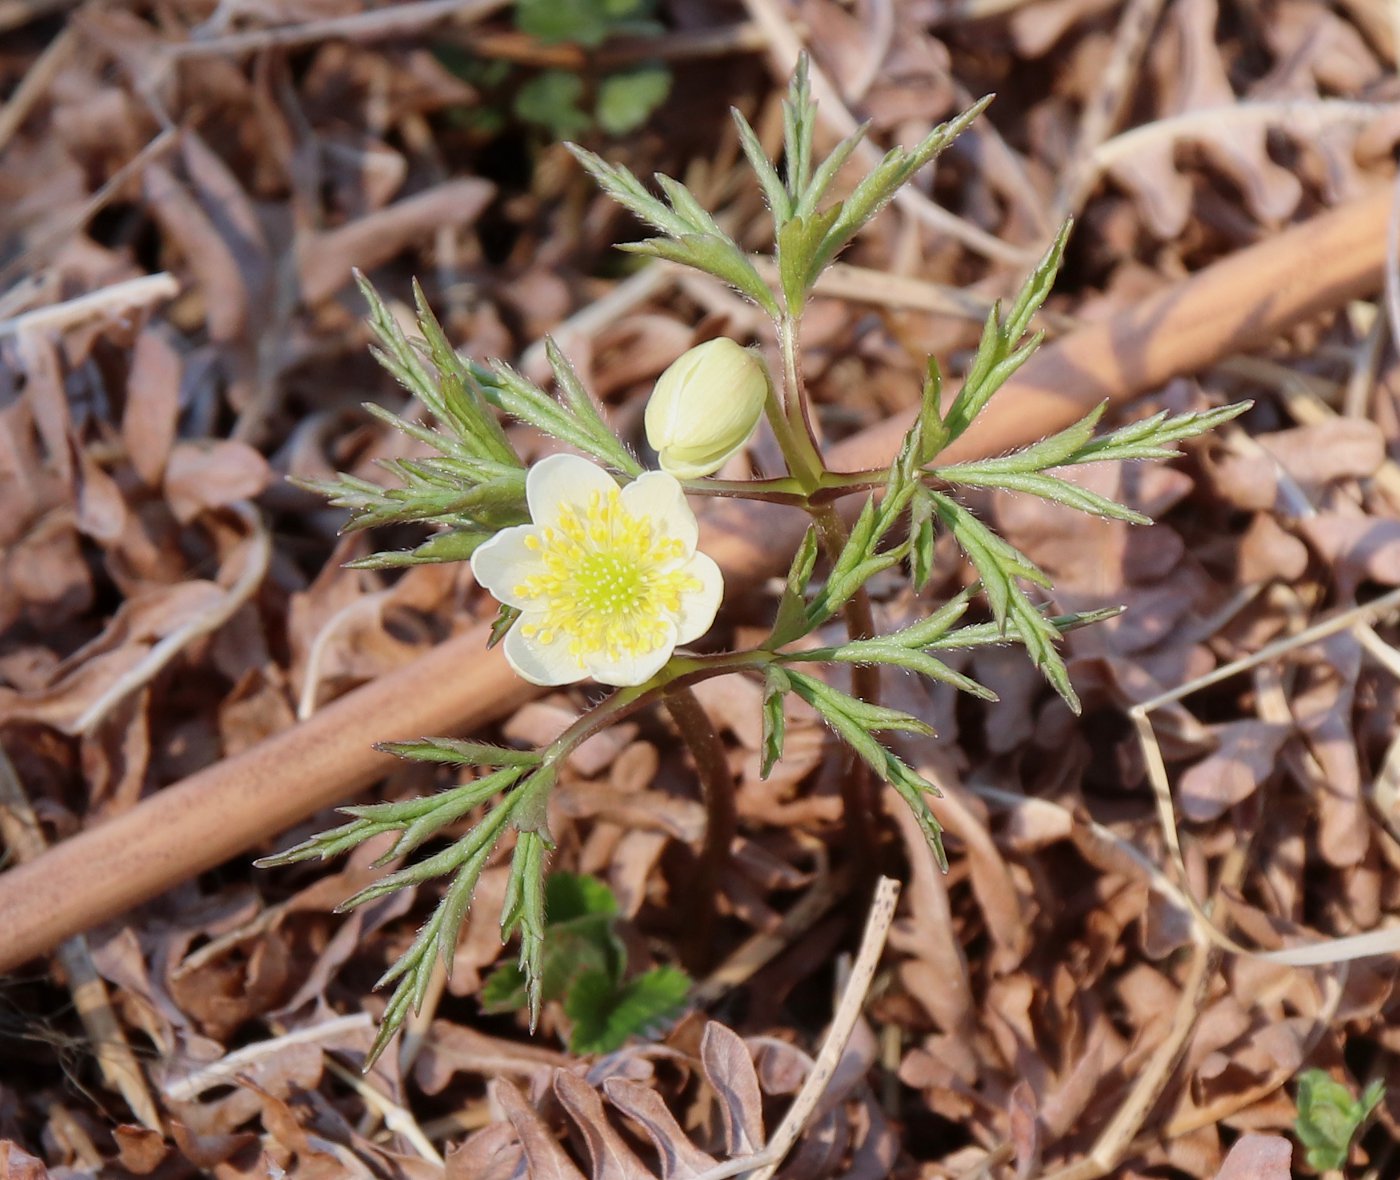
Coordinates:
(503, 622)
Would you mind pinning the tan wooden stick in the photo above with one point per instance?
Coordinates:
(1236, 304)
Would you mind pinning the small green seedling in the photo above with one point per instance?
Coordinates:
(585, 966)
(1329, 1117)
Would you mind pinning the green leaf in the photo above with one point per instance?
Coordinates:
(1329, 1117)
(799, 126)
(584, 22)
(1152, 438)
(523, 399)
(799, 241)
(626, 100)
(605, 1015)
(831, 702)
(880, 651)
(586, 413)
(790, 620)
(572, 895)
(452, 545)
(1001, 350)
(523, 910)
(459, 402)
(776, 686)
(922, 541)
(1046, 487)
(505, 990)
(774, 193)
(1000, 565)
(714, 255)
(875, 191)
(551, 99)
(827, 171)
(629, 192)
(848, 717)
(992, 634)
(933, 435)
(460, 753)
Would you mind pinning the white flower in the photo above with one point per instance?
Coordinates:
(607, 579)
(705, 406)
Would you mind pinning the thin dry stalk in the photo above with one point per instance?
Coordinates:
(398, 1119)
(32, 86)
(763, 1164)
(1103, 110)
(114, 300)
(249, 579)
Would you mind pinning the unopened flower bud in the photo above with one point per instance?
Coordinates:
(705, 406)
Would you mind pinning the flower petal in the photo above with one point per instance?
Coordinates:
(660, 497)
(630, 670)
(540, 663)
(699, 607)
(557, 480)
(503, 562)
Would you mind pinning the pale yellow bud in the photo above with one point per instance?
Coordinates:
(705, 406)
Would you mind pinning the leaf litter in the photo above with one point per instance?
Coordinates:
(179, 332)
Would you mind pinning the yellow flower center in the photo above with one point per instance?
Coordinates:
(609, 582)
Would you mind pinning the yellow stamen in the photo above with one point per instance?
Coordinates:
(610, 580)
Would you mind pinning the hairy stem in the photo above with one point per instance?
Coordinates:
(791, 419)
(721, 820)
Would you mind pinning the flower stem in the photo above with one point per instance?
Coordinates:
(721, 821)
(790, 416)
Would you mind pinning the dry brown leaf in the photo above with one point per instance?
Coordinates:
(325, 260)
(730, 1071)
(1258, 1157)
(152, 404)
(610, 1158)
(204, 475)
(1245, 759)
(678, 1157)
(544, 1158)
